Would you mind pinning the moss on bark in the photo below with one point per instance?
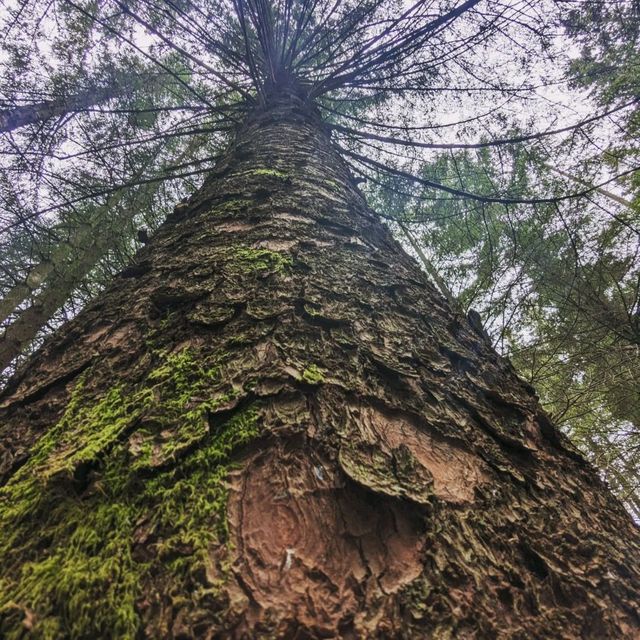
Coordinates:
(155, 472)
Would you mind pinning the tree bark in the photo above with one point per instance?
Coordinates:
(272, 425)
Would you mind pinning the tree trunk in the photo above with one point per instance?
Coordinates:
(118, 85)
(56, 277)
(23, 115)
(272, 425)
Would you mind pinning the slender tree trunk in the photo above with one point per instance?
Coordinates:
(118, 85)
(82, 240)
(21, 116)
(272, 425)
(431, 269)
(605, 192)
(59, 286)
(57, 277)
(63, 272)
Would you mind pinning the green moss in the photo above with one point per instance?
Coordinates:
(231, 206)
(181, 393)
(249, 259)
(70, 553)
(190, 508)
(240, 340)
(85, 584)
(313, 375)
(270, 172)
(84, 432)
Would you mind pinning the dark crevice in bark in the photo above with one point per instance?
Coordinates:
(39, 392)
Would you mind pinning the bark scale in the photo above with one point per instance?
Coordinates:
(272, 425)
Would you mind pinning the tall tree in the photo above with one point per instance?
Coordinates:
(272, 425)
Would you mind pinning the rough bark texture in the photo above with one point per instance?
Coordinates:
(271, 425)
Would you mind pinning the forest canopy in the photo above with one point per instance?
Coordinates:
(499, 140)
